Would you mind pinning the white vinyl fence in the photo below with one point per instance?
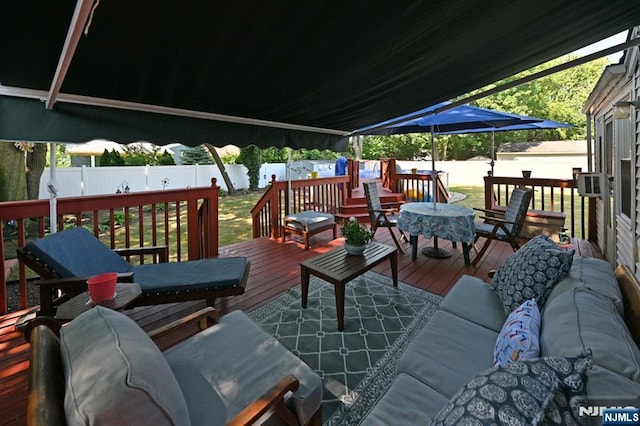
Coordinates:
(79, 181)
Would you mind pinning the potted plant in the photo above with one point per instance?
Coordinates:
(356, 236)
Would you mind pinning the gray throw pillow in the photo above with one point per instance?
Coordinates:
(531, 273)
(115, 374)
(520, 393)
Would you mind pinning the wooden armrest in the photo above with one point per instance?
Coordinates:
(497, 220)
(385, 211)
(27, 327)
(392, 204)
(161, 251)
(489, 211)
(630, 288)
(273, 398)
(45, 403)
(204, 318)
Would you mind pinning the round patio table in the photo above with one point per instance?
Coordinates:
(437, 220)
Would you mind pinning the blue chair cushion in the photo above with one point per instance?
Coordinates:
(77, 253)
(486, 229)
(194, 275)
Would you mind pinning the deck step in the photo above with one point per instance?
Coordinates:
(362, 217)
(357, 206)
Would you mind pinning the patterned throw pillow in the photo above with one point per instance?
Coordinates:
(531, 272)
(520, 335)
(519, 393)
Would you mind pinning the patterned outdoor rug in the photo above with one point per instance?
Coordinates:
(357, 365)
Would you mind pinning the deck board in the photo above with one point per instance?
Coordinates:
(274, 268)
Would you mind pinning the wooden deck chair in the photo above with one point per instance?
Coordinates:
(102, 368)
(503, 226)
(67, 258)
(381, 217)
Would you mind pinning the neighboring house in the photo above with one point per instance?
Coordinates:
(558, 149)
(89, 153)
(614, 112)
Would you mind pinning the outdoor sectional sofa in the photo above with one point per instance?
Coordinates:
(446, 372)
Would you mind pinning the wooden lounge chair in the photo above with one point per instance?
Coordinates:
(66, 259)
(503, 226)
(381, 217)
(102, 368)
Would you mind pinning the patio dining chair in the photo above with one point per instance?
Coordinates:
(503, 226)
(66, 259)
(381, 217)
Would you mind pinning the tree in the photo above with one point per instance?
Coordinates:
(13, 185)
(250, 157)
(400, 147)
(223, 170)
(111, 158)
(36, 161)
(166, 159)
(138, 155)
(558, 97)
(196, 155)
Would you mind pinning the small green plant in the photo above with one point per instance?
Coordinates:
(355, 233)
(118, 218)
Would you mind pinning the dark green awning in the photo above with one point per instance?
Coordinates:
(337, 65)
(27, 119)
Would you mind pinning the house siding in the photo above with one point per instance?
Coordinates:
(636, 134)
(613, 144)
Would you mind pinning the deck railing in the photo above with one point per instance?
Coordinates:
(418, 187)
(186, 220)
(322, 194)
(557, 195)
(415, 186)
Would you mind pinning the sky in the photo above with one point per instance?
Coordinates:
(603, 44)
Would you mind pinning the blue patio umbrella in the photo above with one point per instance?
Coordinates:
(457, 119)
(538, 125)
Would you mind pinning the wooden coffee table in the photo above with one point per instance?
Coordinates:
(338, 268)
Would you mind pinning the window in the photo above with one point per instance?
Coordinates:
(626, 178)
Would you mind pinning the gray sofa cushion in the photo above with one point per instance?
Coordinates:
(581, 320)
(474, 300)
(238, 361)
(448, 352)
(115, 374)
(531, 272)
(593, 274)
(408, 402)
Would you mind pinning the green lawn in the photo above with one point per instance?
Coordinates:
(235, 212)
(474, 196)
(234, 216)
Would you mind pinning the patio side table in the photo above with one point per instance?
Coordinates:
(338, 268)
(126, 293)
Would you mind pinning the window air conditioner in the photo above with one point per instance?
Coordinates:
(590, 184)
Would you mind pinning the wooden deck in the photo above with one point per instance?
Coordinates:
(274, 268)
